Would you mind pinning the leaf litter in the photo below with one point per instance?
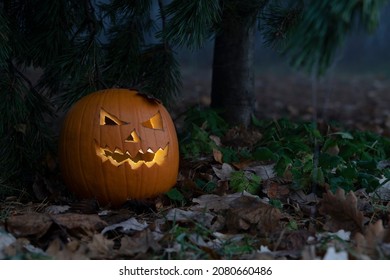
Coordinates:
(205, 217)
(243, 224)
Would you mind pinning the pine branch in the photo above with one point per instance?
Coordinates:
(24, 133)
(191, 22)
(76, 73)
(277, 20)
(163, 22)
(21, 75)
(323, 28)
(160, 74)
(5, 49)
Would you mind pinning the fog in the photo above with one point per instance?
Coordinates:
(362, 53)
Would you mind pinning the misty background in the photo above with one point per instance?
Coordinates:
(354, 91)
(363, 52)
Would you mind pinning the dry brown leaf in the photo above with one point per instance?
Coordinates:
(73, 250)
(211, 202)
(306, 203)
(80, 223)
(138, 243)
(342, 211)
(301, 198)
(274, 190)
(369, 244)
(217, 154)
(247, 213)
(30, 224)
(294, 240)
(100, 247)
(218, 202)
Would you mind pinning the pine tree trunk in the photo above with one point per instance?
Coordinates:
(233, 67)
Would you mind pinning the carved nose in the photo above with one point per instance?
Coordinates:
(133, 137)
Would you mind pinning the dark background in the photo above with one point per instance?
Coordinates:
(354, 91)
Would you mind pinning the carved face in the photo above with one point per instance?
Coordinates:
(118, 157)
(118, 144)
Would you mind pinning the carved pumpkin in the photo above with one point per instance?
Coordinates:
(118, 144)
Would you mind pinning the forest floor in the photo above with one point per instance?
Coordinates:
(223, 209)
(360, 101)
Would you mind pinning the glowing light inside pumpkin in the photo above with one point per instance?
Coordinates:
(108, 119)
(119, 157)
(154, 122)
(133, 137)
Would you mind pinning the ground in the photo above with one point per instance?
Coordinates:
(211, 213)
(359, 100)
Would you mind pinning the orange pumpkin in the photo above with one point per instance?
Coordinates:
(118, 144)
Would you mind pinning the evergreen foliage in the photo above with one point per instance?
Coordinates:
(85, 45)
(319, 30)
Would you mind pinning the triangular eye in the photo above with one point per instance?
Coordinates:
(154, 122)
(108, 119)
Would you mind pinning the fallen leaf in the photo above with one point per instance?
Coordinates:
(100, 247)
(128, 226)
(6, 239)
(67, 251)
(341, 234)
(179, 215)
(218, 202)
(383, 192)
(307, 203)
(216, 140)
(80, 223)
(247, 213)
(294, 240)
(368, 245)
(31, 224)
(223, 173)
(301, 198)
(274, 190)
(341, 211)
(383, 164)
(21, 248)
(56, 209)
(217, 154)
(264, 171)
(332, 254)
(139, 243)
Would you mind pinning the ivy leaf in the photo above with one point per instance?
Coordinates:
(343, 135)
(175, 195)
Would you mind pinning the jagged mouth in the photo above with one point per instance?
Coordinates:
(118, 157)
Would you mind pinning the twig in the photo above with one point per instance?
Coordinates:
(163, 23)
(24, 77)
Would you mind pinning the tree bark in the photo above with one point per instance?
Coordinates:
(233, 84)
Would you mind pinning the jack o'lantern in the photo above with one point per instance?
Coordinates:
(118, 144)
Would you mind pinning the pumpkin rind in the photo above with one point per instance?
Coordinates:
(101, 136)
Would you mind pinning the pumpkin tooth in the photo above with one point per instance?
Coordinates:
(118, 151)
(117, 157)
(160, 155)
